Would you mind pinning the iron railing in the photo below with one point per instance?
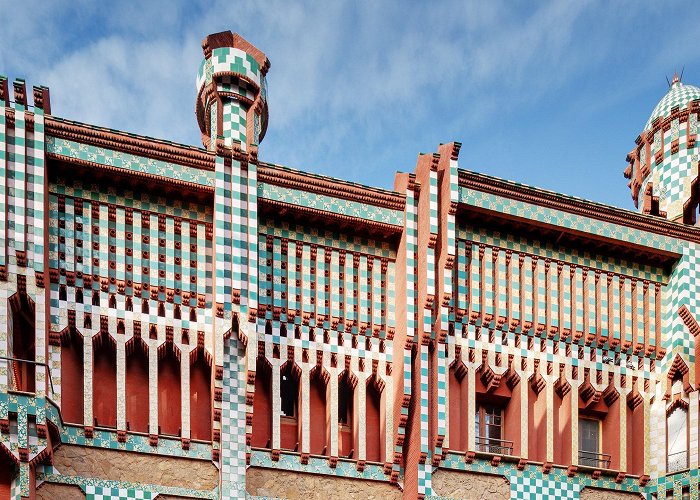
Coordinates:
(36, 363)
(495, 446)
(677, 461)
(593, 459)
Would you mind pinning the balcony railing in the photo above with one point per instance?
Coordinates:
(677, 461)
(9, 361)
(495, 446)
(593, 459)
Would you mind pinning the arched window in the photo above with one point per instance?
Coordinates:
(677, 437)
(346, 415)
(289, 406)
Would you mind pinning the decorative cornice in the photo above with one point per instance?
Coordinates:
(135, 173)
(279, 176)
(332, 216)
(139, 145)
(577, 206)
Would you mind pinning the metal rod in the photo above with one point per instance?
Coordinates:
(45, 365)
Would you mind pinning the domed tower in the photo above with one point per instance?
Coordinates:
(232, 97)
(663, 167)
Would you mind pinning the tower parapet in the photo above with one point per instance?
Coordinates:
(663, 166)
(231, 92)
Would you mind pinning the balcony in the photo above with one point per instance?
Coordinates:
(494, 446)
(677, 461)
(16, 366)
(593, 459)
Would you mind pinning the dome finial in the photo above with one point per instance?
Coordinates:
(676, 78)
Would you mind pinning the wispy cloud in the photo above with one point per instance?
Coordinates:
(358, 88)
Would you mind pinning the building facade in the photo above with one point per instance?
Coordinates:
(183, 322)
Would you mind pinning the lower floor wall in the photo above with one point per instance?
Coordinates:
(273, 483)
(104, 474)
(481, 480)
(452, 484)
(135, 467)
(54, 491)
(473, 486)
(596, 494)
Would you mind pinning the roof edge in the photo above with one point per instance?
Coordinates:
(578, 206)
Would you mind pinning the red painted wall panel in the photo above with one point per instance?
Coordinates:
(200, 400)
(23, 347)
(318, 415)
(104, 384)
(373, 430)
(137, 398)
(72, 369)
(262, 407)
(7, 470)
(169, 392)
(458, 412)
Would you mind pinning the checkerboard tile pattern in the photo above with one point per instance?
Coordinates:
(540, 487)
(233, 423)
(104, 493)
(679, 95)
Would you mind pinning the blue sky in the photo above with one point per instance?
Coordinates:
(551, 94)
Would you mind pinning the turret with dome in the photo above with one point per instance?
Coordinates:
(663, 167)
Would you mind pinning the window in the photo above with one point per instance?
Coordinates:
(488, 429)
(589, 454)
(288, 394)
(677, 439)
(345, 396)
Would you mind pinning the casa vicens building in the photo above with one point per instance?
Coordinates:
(193, 322)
